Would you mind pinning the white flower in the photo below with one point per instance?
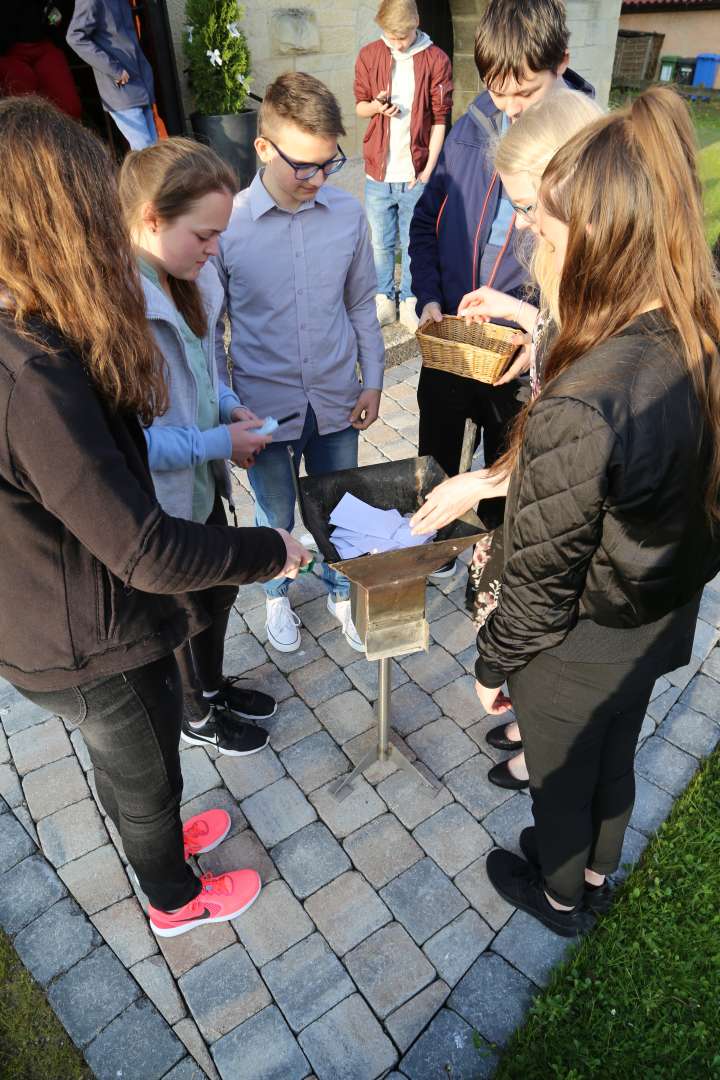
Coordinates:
(233, 29)
(189, 31)
(241, 79)
(214, 57)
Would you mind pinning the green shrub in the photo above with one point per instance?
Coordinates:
(218, 56)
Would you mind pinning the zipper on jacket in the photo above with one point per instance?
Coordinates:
(479, 226)
(502, 251)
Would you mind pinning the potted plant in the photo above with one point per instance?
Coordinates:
(219, 75)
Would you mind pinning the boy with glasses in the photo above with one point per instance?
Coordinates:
(299, 279)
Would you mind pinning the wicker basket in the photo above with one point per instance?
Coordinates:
(479, 351)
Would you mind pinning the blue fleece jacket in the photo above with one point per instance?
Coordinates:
(454, 216)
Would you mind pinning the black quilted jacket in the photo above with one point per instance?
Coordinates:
(604, 517)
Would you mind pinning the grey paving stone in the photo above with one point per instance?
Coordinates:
(389, 969)
(271, 681)
(10, 789)
(634, 845)
(406, 1023)
(4, 748)
(652, 806)
(705, 638)
(347, 911)
(306, 981)
(346, 815)
(223, 991)
(156, 979)
(453, 838)
(187, 951)
(455, 632)
(412, 800)
(91, 994)
(459, 701)
(359, 747)
(97, 879)
(22, 814)
(335, 644)
(423, 899)
(665, 765)
(246, 775)
(382, 849)
(711, 666)
(531, 947)
(703, 696)
(710, 606)
(474, 883)
(293, 721)
(447, 1048)
(55, 941)
(187, 1069)
(137, 1043)
(411, 708)
(26, 891)
(319, 681)
(468, 657)
(493, 997)
(15, 844)
(19, 714)
(189, 1034)
(278, 811)
(316, 617)
(432, 669)
(243, 653)
(243, 851)
(364, 677)
(274, 923)
(507, 822)
(690, 731)
(81, 750)
(470, 785)
(54, 786)
(199, 773)
(682, 676)
(660, 706)
(125, 929)
(442, 745)
(263, 1048)
(346, 715)
(348, 1043)
(310, 859)
(647, 729)
(289, 661)
(314, 761)
(479, 731)
(249, 597)
(216, 799)
(236, 624)
(33, 747)
(437, 605)
(454, 948)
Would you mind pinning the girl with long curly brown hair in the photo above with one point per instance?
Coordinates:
(94, 574)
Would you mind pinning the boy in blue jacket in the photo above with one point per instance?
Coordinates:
(462, 232)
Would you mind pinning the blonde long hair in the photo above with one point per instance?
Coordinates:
(65, 254)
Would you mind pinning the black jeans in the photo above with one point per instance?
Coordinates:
(580, 725)
(200, 659)
(446, 401)
(131, 727)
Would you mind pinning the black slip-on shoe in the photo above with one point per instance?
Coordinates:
(501, 776)
(597, 898)
(250, 704)
(230, 736)
(520, 884)
(496, 737)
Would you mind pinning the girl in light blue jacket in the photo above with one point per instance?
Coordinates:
(177, 197)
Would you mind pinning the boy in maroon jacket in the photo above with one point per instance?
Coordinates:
(403, 84)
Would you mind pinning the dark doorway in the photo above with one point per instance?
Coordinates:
(436, 20)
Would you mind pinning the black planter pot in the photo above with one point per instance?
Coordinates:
(232, 137)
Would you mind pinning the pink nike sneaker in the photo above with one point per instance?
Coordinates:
(221, 898)
(205, 831)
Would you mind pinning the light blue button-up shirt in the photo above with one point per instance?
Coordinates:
(300, 292)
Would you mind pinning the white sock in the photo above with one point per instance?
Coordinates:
(210, 693)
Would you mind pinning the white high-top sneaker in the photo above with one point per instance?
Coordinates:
(385, 308)
(282, 624)
(341, 610)
(408, 318)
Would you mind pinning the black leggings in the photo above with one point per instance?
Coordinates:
(580, 725)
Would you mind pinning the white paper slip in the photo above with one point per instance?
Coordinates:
(361, 529)
(360, 517)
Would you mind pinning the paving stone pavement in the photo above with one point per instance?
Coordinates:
(377, 946)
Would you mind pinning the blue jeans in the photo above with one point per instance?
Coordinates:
(272, 483)
(389, 209)
(137, 125)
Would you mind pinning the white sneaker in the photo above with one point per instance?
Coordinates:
(341, 610)
(385, 308)
(408, 317)
(282, 625)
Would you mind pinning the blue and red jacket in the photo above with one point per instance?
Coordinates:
(454, 216)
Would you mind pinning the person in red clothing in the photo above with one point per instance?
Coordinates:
(30, 62)
(403, 84)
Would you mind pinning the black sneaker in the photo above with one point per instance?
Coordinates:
(250, 704)
(521, 885)
(229, 735)
(598, 898)
(445, 571)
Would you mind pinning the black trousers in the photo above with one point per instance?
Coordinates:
(580, 725)
(446, 401)
(131, 727)
(200, 659)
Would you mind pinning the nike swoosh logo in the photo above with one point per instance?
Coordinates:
(194, 918)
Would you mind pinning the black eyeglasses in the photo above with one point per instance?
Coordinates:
(528, 212)
(305, 170)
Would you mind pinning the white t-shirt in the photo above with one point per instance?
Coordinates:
(399, 167)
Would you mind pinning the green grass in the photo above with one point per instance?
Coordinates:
(33, 1042)
(639, 999)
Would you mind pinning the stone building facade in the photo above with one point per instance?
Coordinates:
(323, 37)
